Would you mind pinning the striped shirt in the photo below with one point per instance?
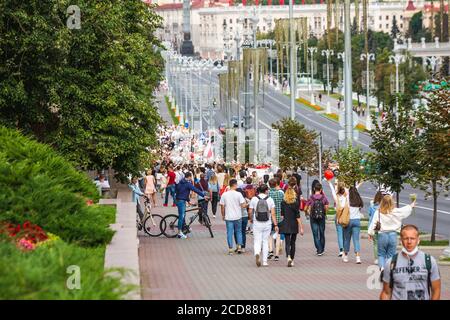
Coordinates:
(277, 196)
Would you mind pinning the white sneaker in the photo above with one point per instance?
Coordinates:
(289, 262)
(292, 263)
(358, 259)
(214, 216)
(265, 264)
(375, 262)
(345, 257)
(182, 236)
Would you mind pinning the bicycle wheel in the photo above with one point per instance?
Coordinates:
(152, 225)
(169, 225)
(207, 224)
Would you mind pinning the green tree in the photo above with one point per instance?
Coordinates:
(433, 148)
(351, 170)
(395, 144)
(87, 92)
(298, 145)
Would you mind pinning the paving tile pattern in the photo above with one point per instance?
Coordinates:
(199, 268)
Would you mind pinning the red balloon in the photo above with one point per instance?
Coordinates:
(328, 174)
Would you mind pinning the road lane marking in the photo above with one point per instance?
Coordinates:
(425, 208)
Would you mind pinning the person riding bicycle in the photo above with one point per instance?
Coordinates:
(182, 191)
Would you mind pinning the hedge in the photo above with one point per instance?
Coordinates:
(40, 186)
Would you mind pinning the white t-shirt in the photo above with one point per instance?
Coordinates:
(220, 178)
(232, 201)
(254, 203)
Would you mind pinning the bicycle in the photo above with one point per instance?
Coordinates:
(151, 220)
(169, 224)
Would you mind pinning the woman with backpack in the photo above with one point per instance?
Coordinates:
(387, 221)
(261, 213)
(291, 224)
(214, 189)
(317, 207)
(354, 227)
(374, 205)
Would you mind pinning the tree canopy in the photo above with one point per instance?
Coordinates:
(88, 92)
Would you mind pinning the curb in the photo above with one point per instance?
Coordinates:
(443, 263)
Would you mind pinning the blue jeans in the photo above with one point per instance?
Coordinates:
(352, 230)
(234, 227)
(340, 236)
(318, 231)
(387, 246)
(244, 222)
(170, 189)
(181, 204)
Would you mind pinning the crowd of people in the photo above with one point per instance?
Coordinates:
(267, 205)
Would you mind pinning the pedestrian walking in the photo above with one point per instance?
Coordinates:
(183, 189)
(163, 182)
(353, 230)
(411, 274)
(340, 196)
(244, 220)
(387, 220)
(261, 213)
(214, 189)
(170, 186)
(231, 203)
(320, 97)
(291, 224)
(277, 195)
(316, 207)
(374, 205)
(150, 186)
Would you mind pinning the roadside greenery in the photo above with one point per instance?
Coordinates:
(86, 92)
(48, 222)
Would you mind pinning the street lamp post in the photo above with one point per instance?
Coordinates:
(292, 52)
(327, 53)
(312, 50)
(368, 57)
(397, 59)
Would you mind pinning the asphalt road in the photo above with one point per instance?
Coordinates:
(277, 106)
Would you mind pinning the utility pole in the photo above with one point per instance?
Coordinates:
(397, 59)
(320, 157)
(348, 75)
(327, 53)
(291, 62)
(368, 57)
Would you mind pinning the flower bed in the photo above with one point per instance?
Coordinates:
(308, 104)
(49, 223)
(171, 111)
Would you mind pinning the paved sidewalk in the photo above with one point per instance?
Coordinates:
(199, 268)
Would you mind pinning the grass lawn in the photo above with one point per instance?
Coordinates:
(445, 259)
(435, 243)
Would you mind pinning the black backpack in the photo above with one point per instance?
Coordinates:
(318, 209)
(262, 210)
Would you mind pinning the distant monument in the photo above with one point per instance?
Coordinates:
(187, 48)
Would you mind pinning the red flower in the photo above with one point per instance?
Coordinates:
(26, 225)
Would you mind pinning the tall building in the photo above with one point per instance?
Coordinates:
(215, 23)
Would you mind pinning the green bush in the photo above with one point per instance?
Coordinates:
(43, 273)
(40, 186)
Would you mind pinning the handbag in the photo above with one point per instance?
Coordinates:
(343, 214)
(377, 227)
(302, 204)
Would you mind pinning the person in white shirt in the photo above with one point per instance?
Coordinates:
(231, 203)
(261, 213)
(389, 219)
(354, 227)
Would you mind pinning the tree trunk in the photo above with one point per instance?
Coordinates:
(433, 230)
(398, 198)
